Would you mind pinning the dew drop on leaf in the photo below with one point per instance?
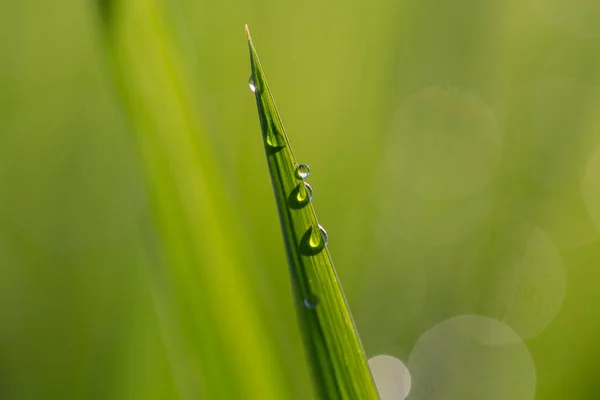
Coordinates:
(302, 171)
(322, 240)
(251, 84)
(313, 241)
(275, 139)
(300, 196)
(305, 194)
(311, 302)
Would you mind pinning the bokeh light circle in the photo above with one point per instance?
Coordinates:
(444, 143)
(529, 290)
(471, 357)
(431, 223)
(391, 377)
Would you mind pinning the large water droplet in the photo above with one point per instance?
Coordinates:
(300, 196)
(302, 171)
(275, 139)
(313, 241)
(251, 84)
(311, 301)
(306, 194)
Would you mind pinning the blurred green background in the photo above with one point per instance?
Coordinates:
(455, 156)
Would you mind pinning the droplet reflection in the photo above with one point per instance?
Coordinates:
(300, 196)
(311, 302)
(313, 241)
(302, 171)
(274, 139)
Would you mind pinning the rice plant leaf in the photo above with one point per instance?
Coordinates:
(335, 355)
(218, 345)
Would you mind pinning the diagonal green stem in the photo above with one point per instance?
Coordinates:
(335, 355)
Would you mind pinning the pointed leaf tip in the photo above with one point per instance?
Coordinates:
(247, 31)
(338, 365)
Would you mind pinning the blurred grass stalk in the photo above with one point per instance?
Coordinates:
(217, 341)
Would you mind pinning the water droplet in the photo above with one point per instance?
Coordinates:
(275, 139)
(302, 171)
(306, 194)
(313, 242)
(311, 302)
(301, 196)
(251, 84)
(324, 239)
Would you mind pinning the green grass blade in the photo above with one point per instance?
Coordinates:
(335, 355)
(219, 348)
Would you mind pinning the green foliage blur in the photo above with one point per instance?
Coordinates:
(455, 156)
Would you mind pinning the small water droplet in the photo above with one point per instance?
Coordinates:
(251, 84)
(313, 242)
(302, 171)
(311, 302)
